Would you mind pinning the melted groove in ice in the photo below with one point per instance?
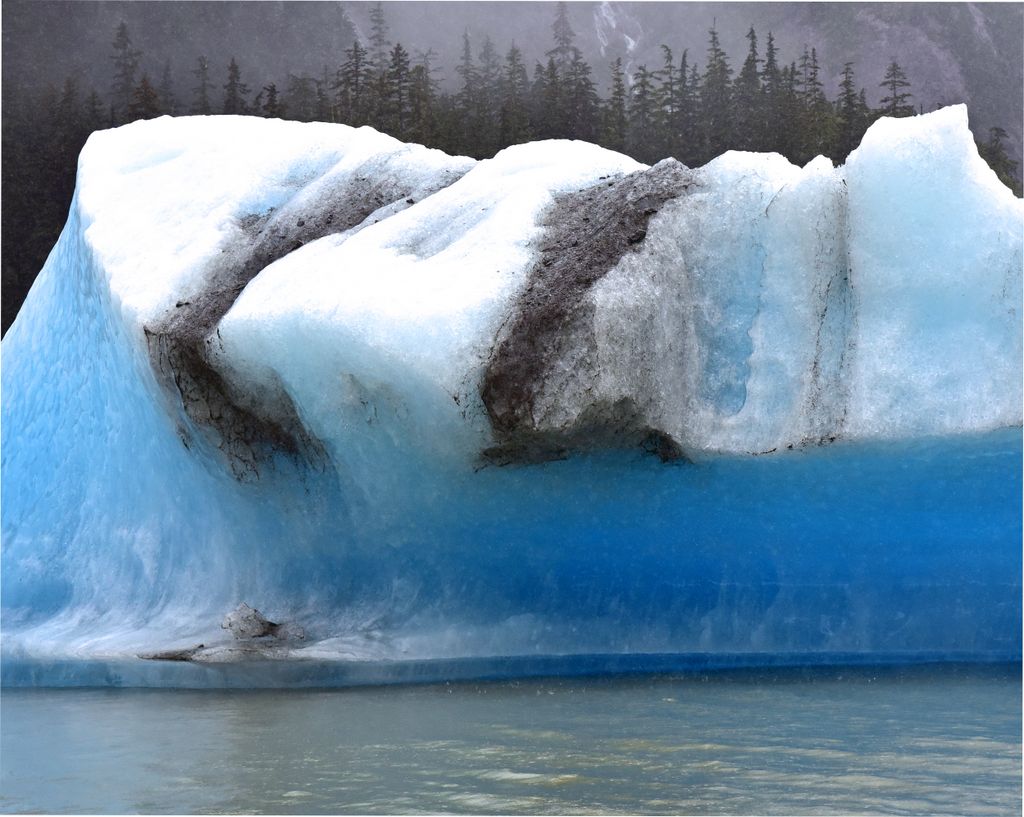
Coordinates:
(250, 426)
(588, 233)
(828, 392)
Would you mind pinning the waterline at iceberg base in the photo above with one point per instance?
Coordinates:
(550, 413)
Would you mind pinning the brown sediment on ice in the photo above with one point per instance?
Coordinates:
(587, 233)
(250, 426)
(187, 654)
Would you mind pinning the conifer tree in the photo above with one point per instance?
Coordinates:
(489, 72)
(582, 104)
(145, 100)
(379, 41)
(564, 37)
(379, 52)
(352, 87)
(448, 125)
(538, 93)
(272, 106)
(818, 122)
(868, 114)
(421, 105)
(771, 76)
(324, 108)
(749, 99)
(201, 92)
(92, 112)
(168, 101)
(466, 69)
(716, 98)
(790, 114)
(808, 85)
(67, 133)
(897, 102)
(808, 81)
(126, 64)
(613, 133)
(300, 98)
(852, 115)
(553, 111)
(426, 59)
(640, 136)
(50, 104)
(515, 88)
(772, 125)
(467, 100)
(693, 135)
(68, 110)
(398, 92)
(683, 132)
(666, 102)
(235, 91)
(423, 99)
(488, 113)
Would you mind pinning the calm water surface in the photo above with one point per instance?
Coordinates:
(921, 741)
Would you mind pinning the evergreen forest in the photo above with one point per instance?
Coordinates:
(690, 106)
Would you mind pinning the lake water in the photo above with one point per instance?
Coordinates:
(923, 740)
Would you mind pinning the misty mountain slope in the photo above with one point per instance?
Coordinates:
(49, 40)
(952, 52)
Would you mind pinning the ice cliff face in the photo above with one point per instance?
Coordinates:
(559, 296)
(256, 332)
(743, 307)
(768, 306)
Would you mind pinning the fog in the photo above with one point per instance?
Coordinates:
(954, 52)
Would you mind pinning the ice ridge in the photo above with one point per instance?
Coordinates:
(747, 306)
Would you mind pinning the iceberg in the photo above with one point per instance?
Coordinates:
(554, 411)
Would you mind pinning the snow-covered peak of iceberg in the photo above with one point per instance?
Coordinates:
(160, 199)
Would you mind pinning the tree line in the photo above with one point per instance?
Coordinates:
(688, 106)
